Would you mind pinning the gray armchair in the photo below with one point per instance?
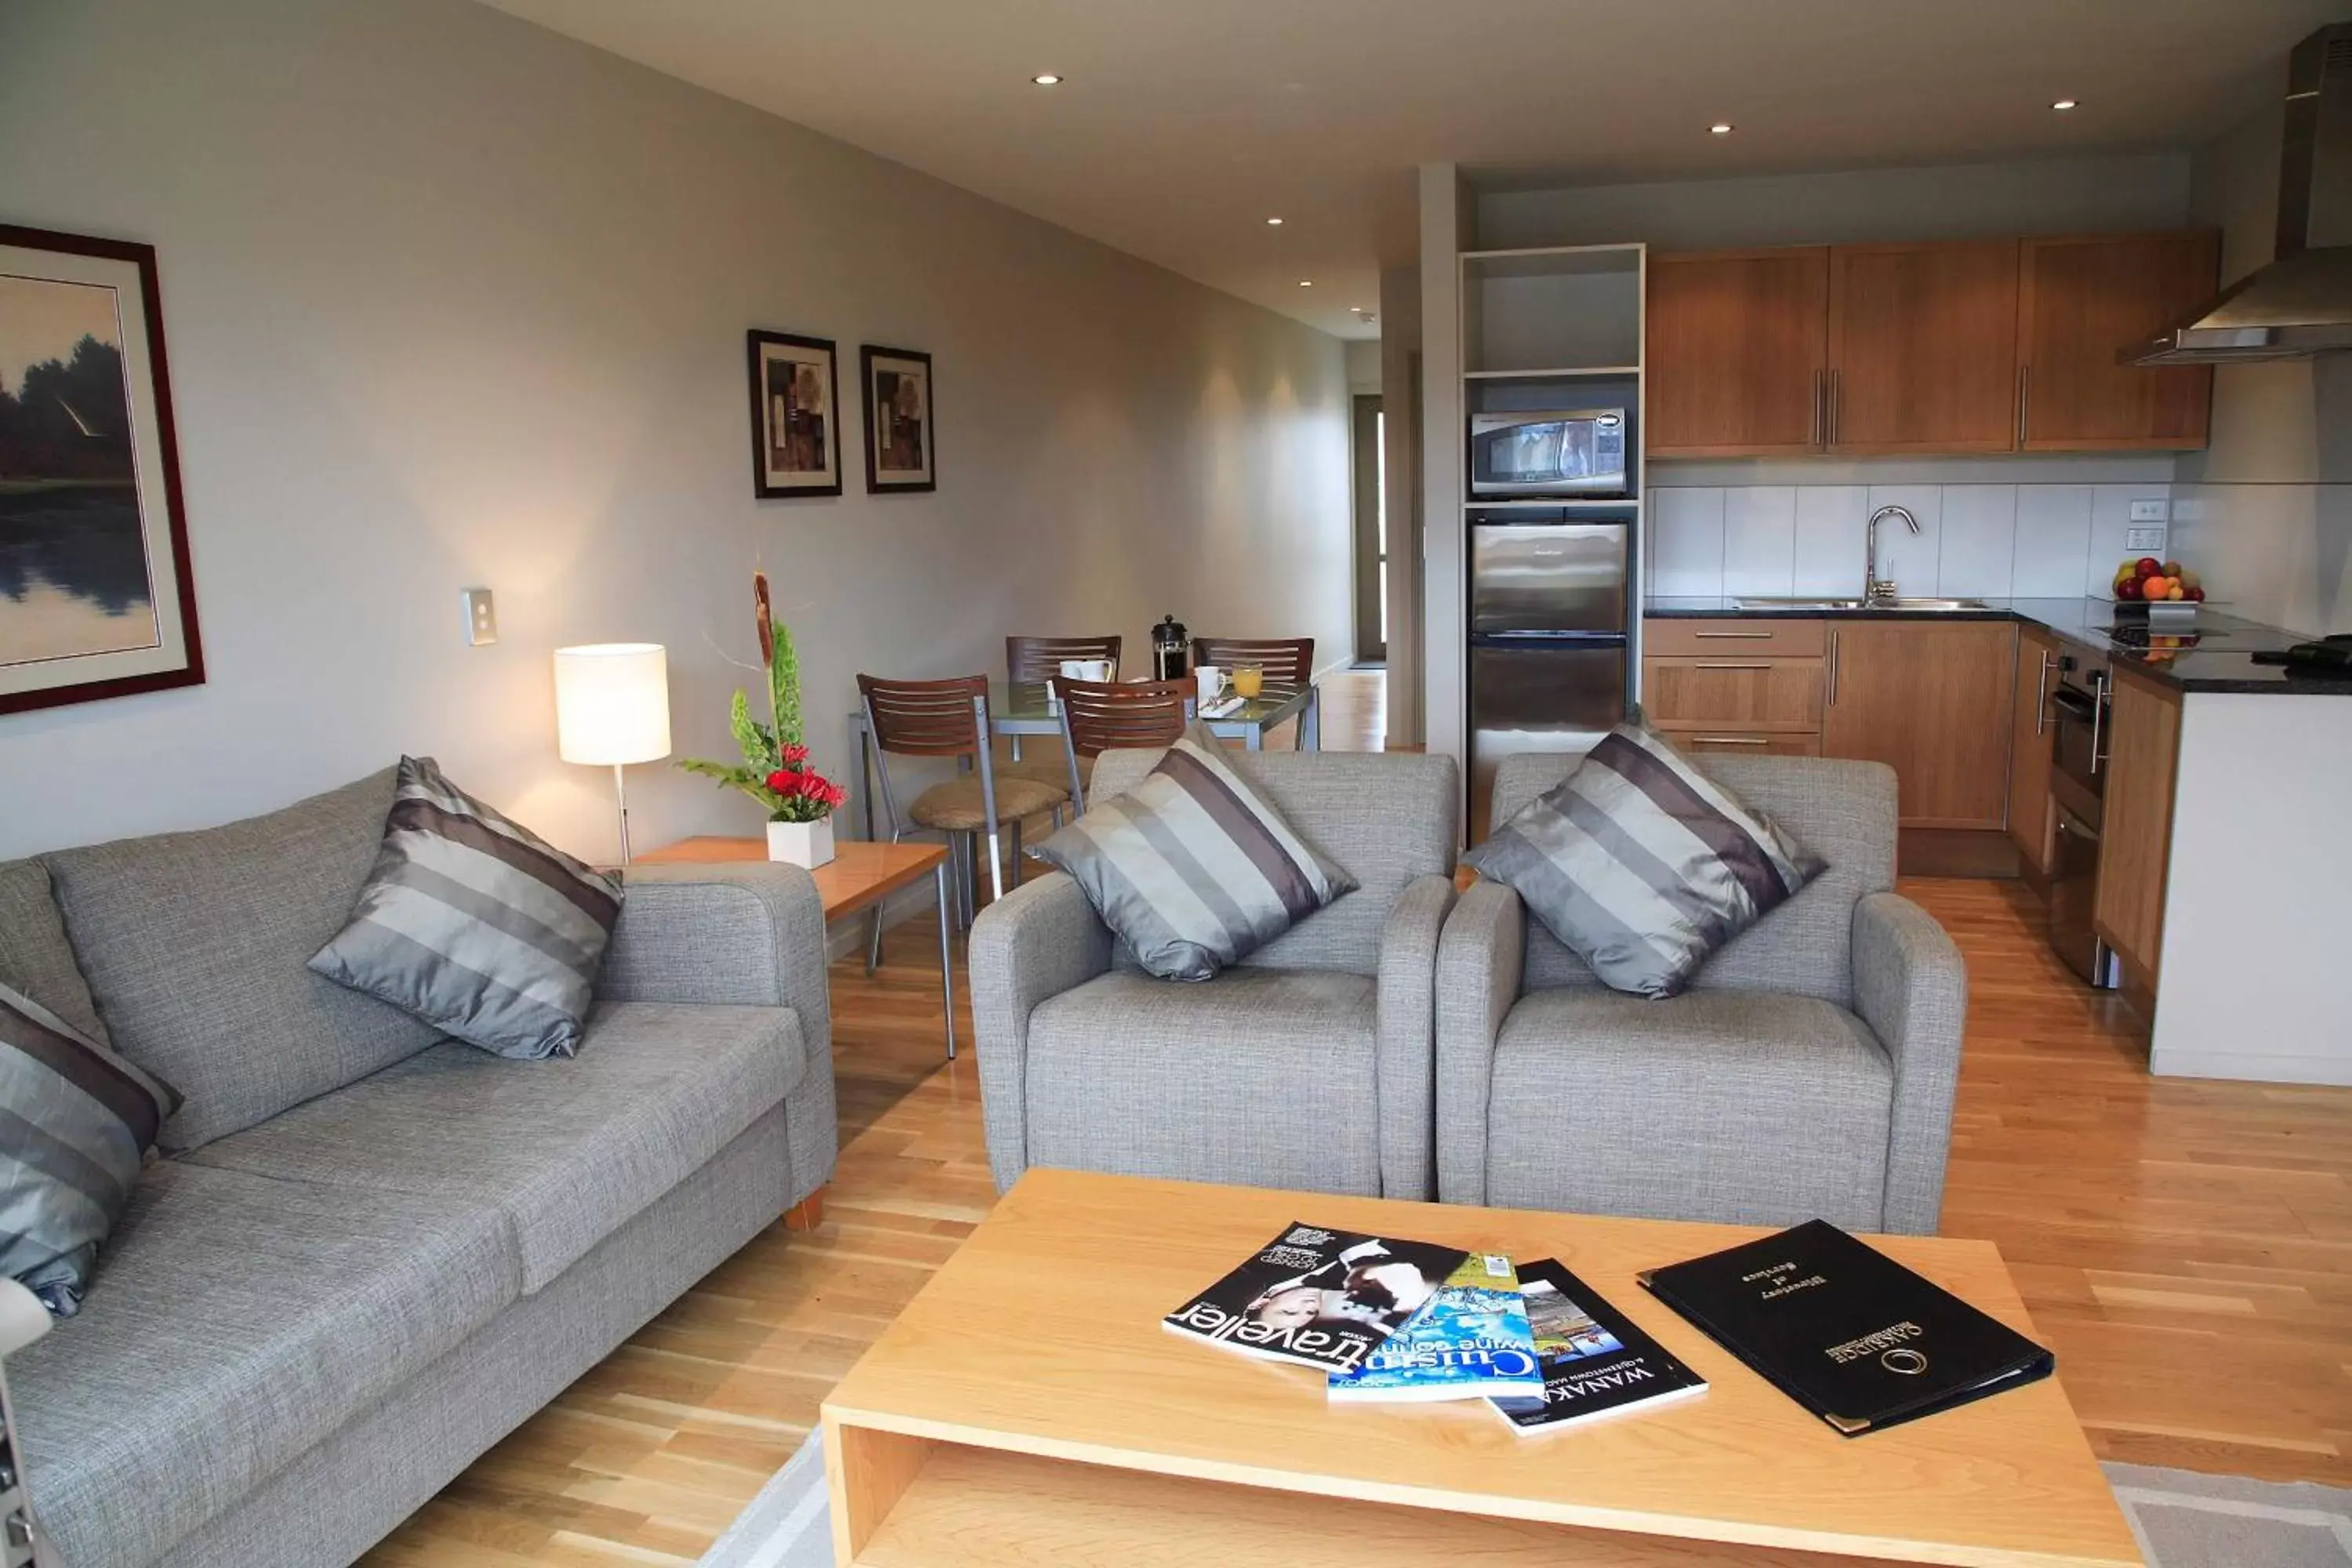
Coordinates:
(1808, 1071)
(1309, 1065)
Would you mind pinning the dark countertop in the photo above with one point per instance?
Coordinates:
(2218, 661)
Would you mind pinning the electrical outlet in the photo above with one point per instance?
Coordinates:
(2146, 540)
(2147, 511)
(481, 618)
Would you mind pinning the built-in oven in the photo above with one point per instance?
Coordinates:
(2079, 714)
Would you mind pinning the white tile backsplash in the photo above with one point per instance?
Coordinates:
(1984, 540)
(1979, 553)
(1759, 539)
(1687, 557)
(1829, 539)
(2054, 542)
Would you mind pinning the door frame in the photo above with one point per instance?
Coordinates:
(1365, 462)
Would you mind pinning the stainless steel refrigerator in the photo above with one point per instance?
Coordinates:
(1548, 616)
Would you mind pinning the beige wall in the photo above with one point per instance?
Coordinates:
(453, 300)
(2266, 510)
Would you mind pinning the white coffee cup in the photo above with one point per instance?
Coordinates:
(1211, 681)
(1096, 670)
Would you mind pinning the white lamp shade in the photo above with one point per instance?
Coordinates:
(612, 702)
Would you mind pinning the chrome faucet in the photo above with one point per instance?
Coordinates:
(1874, 590)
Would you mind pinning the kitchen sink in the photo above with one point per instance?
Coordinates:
(1835, 605)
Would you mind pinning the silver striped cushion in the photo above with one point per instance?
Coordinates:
(475, 924)
(75, 1124)
(1193, 868)
(1641, 865)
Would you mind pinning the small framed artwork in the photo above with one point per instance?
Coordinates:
(96, 595)
(796, 424)
(898, 434)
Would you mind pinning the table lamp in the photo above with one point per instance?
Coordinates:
(612, 708)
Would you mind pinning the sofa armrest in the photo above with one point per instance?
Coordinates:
(1406, 1018)
(1481, 959)
(1911, 987)
(1037, 941)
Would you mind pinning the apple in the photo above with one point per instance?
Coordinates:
(2195, 592)
(2147, 566)
(2127, 589)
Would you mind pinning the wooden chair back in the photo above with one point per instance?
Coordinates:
(1040, 659)
(926, 718)
(1287, 661)
(1099, 716)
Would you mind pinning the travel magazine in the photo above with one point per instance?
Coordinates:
(1471, 1341)
(1318, 1298)
(1595, 1362)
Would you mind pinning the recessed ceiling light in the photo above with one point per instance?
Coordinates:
(1046, 78)
(1720, 128)
(2063, 103)
(1273, 223)
(1307, 282)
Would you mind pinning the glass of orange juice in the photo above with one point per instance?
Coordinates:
(1249, 679)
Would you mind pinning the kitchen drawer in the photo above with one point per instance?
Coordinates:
(1733, 691)
(1700, 738)
(1777, 637)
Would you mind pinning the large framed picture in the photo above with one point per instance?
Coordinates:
(898, 434)
(95, 596)
(795, 427)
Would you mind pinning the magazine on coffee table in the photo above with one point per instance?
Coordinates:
(1595, 1361)
(1317, 1297)
(1470, 1342)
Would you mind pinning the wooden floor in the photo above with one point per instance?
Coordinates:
(2186, 1247)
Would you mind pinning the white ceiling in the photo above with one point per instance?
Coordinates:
(1182, 124)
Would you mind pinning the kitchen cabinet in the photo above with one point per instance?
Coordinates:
(1740, 692)
(1923, 347)
(2079, 301)
(1736, 353)
(2032, 822)
(2143, 743)
(1934, 701)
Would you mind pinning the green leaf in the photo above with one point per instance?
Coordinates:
(784, 688)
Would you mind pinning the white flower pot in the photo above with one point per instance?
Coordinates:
(808, 844)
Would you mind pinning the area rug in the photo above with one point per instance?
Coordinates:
(2182, 1519)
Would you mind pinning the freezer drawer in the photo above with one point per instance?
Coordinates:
(1547, 577)
(1541, 698)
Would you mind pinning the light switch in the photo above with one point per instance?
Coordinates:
(481, 618)
(2146, 540)
(2147, 511)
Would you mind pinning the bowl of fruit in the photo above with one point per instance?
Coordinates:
(2158, 590)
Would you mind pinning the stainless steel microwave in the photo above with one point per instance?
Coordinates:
(1548, 452)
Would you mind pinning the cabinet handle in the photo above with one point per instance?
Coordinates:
(1706, 666)
(1819, 434)
(1833, 664)
(2025, 390)
(2098, 721)
(1765, 637)
(2040, 689)
(1834, 411)
(1727, 740)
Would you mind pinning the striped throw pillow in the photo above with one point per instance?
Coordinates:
(76, 1122)
(475, 924)
(1194, 868)
(1641, 865)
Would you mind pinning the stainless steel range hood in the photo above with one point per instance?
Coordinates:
(2301, 304)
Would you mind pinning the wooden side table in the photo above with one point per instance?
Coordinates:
(859, 876)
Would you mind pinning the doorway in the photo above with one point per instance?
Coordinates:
(1369, 428)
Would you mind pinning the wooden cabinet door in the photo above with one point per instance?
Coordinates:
(1742, 693)
(1923, 347)
(1932, 699)
(1736, 357)
(2032, 822)
(2079, 301)
(2143, 741)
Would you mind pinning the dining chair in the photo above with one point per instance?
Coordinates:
(1097, 716)
(1030, 659)
(1287, 661)
(950, 719)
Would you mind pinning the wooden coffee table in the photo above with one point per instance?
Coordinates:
(1028, 1409)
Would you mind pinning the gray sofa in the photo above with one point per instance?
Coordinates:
(1809, 1071)
(369, 1254)
(1306, 1066)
